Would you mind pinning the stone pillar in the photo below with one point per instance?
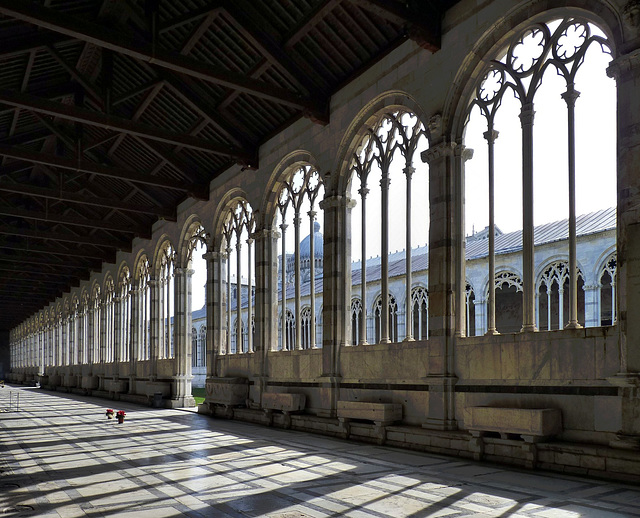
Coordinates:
(312, 278)
(134, 336)
(528, 265)
(182, 326)
(408, 327)
(155, 328)
(442, 282)
(461, 154)
(384, 258)
(266, 268)
(336, 329)
(626, 71)
(214, 331)
(117, 335)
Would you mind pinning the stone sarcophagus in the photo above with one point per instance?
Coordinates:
(227, 391)
(527, 422)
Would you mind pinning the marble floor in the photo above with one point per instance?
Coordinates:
(60, 456)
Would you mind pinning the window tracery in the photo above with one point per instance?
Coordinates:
(356, 320)
(125, 315)
(420, 310)
(560, 45)
(552, 285)
(238, 229)
(391, 315)
(386, 152)
(144, 309)
(166, 287)
(607, 292)
(109, 321)
(297, 201)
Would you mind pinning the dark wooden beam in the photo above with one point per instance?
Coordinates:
(19, 46)
(422, 26)
(53, 250)
(85, 166)
(51, 235)
(309, 22)
(58, 264)
(190, 17)
(72, 220)
(111, 122)
(56, 194)
(128, 44)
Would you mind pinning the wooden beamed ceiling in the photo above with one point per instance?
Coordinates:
(108, 108)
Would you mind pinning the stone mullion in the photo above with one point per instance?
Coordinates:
(442, 257)
(238, 329)
(249, 298)
(408, 315)
(528, 265)
(362, 338)
(134, 334)
(312, 277)
(491, 135)
(154, 327)
(283, 284)
(461, 155)
(296, 225)
(222, 344)
(384, 257)
(229, 328)
(570, 97)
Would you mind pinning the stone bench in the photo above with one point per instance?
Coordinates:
(531, 424)
(285, 403)
(382, 415)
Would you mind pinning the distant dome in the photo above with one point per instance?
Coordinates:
(305, 251)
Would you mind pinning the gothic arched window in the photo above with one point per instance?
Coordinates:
(238, 229)
(607, 284)
(543, 64)
(125, 315)
(391, 315)
(299, 259)
(420, 310)
(356, 320)
(109, 320)
(144, 309)
(166, 289)
(553, 302)
(384, 176)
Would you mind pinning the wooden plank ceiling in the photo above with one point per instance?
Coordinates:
(114, 111)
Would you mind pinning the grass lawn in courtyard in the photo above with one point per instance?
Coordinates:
(198, 394)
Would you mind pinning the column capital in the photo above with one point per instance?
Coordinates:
(527, 114)
(491, 136)
(266, 233)
(464, 152)
(625, 67)
(337, 200)
(438, 152)
(570, 96)
(408, 171)
(211, 256)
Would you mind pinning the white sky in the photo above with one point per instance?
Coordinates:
(595, 170)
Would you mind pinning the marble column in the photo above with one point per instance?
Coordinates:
(626, 71)
(336, 320)
(155, 328)
(182, 327)
(442, 283)
(461, 155)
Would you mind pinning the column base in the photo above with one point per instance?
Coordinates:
(444, 425)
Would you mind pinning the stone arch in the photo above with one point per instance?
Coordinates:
(279, 174)
(556, 258)
(187, 235)
(140, 256)
(219, 218)
(600, 263)
(353, 136)
(163, 242)
(454, 112)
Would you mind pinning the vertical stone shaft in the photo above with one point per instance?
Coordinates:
(250, 346)
(491, 135)
(528, 285)
(362, 339)
(570, 97)
(384, 258)
(408, 316)
(238, 330)
(312, 278)
(283, 271)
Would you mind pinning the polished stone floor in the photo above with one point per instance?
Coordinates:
(60, 456)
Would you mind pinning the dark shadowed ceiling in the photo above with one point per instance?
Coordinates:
(114, 111)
